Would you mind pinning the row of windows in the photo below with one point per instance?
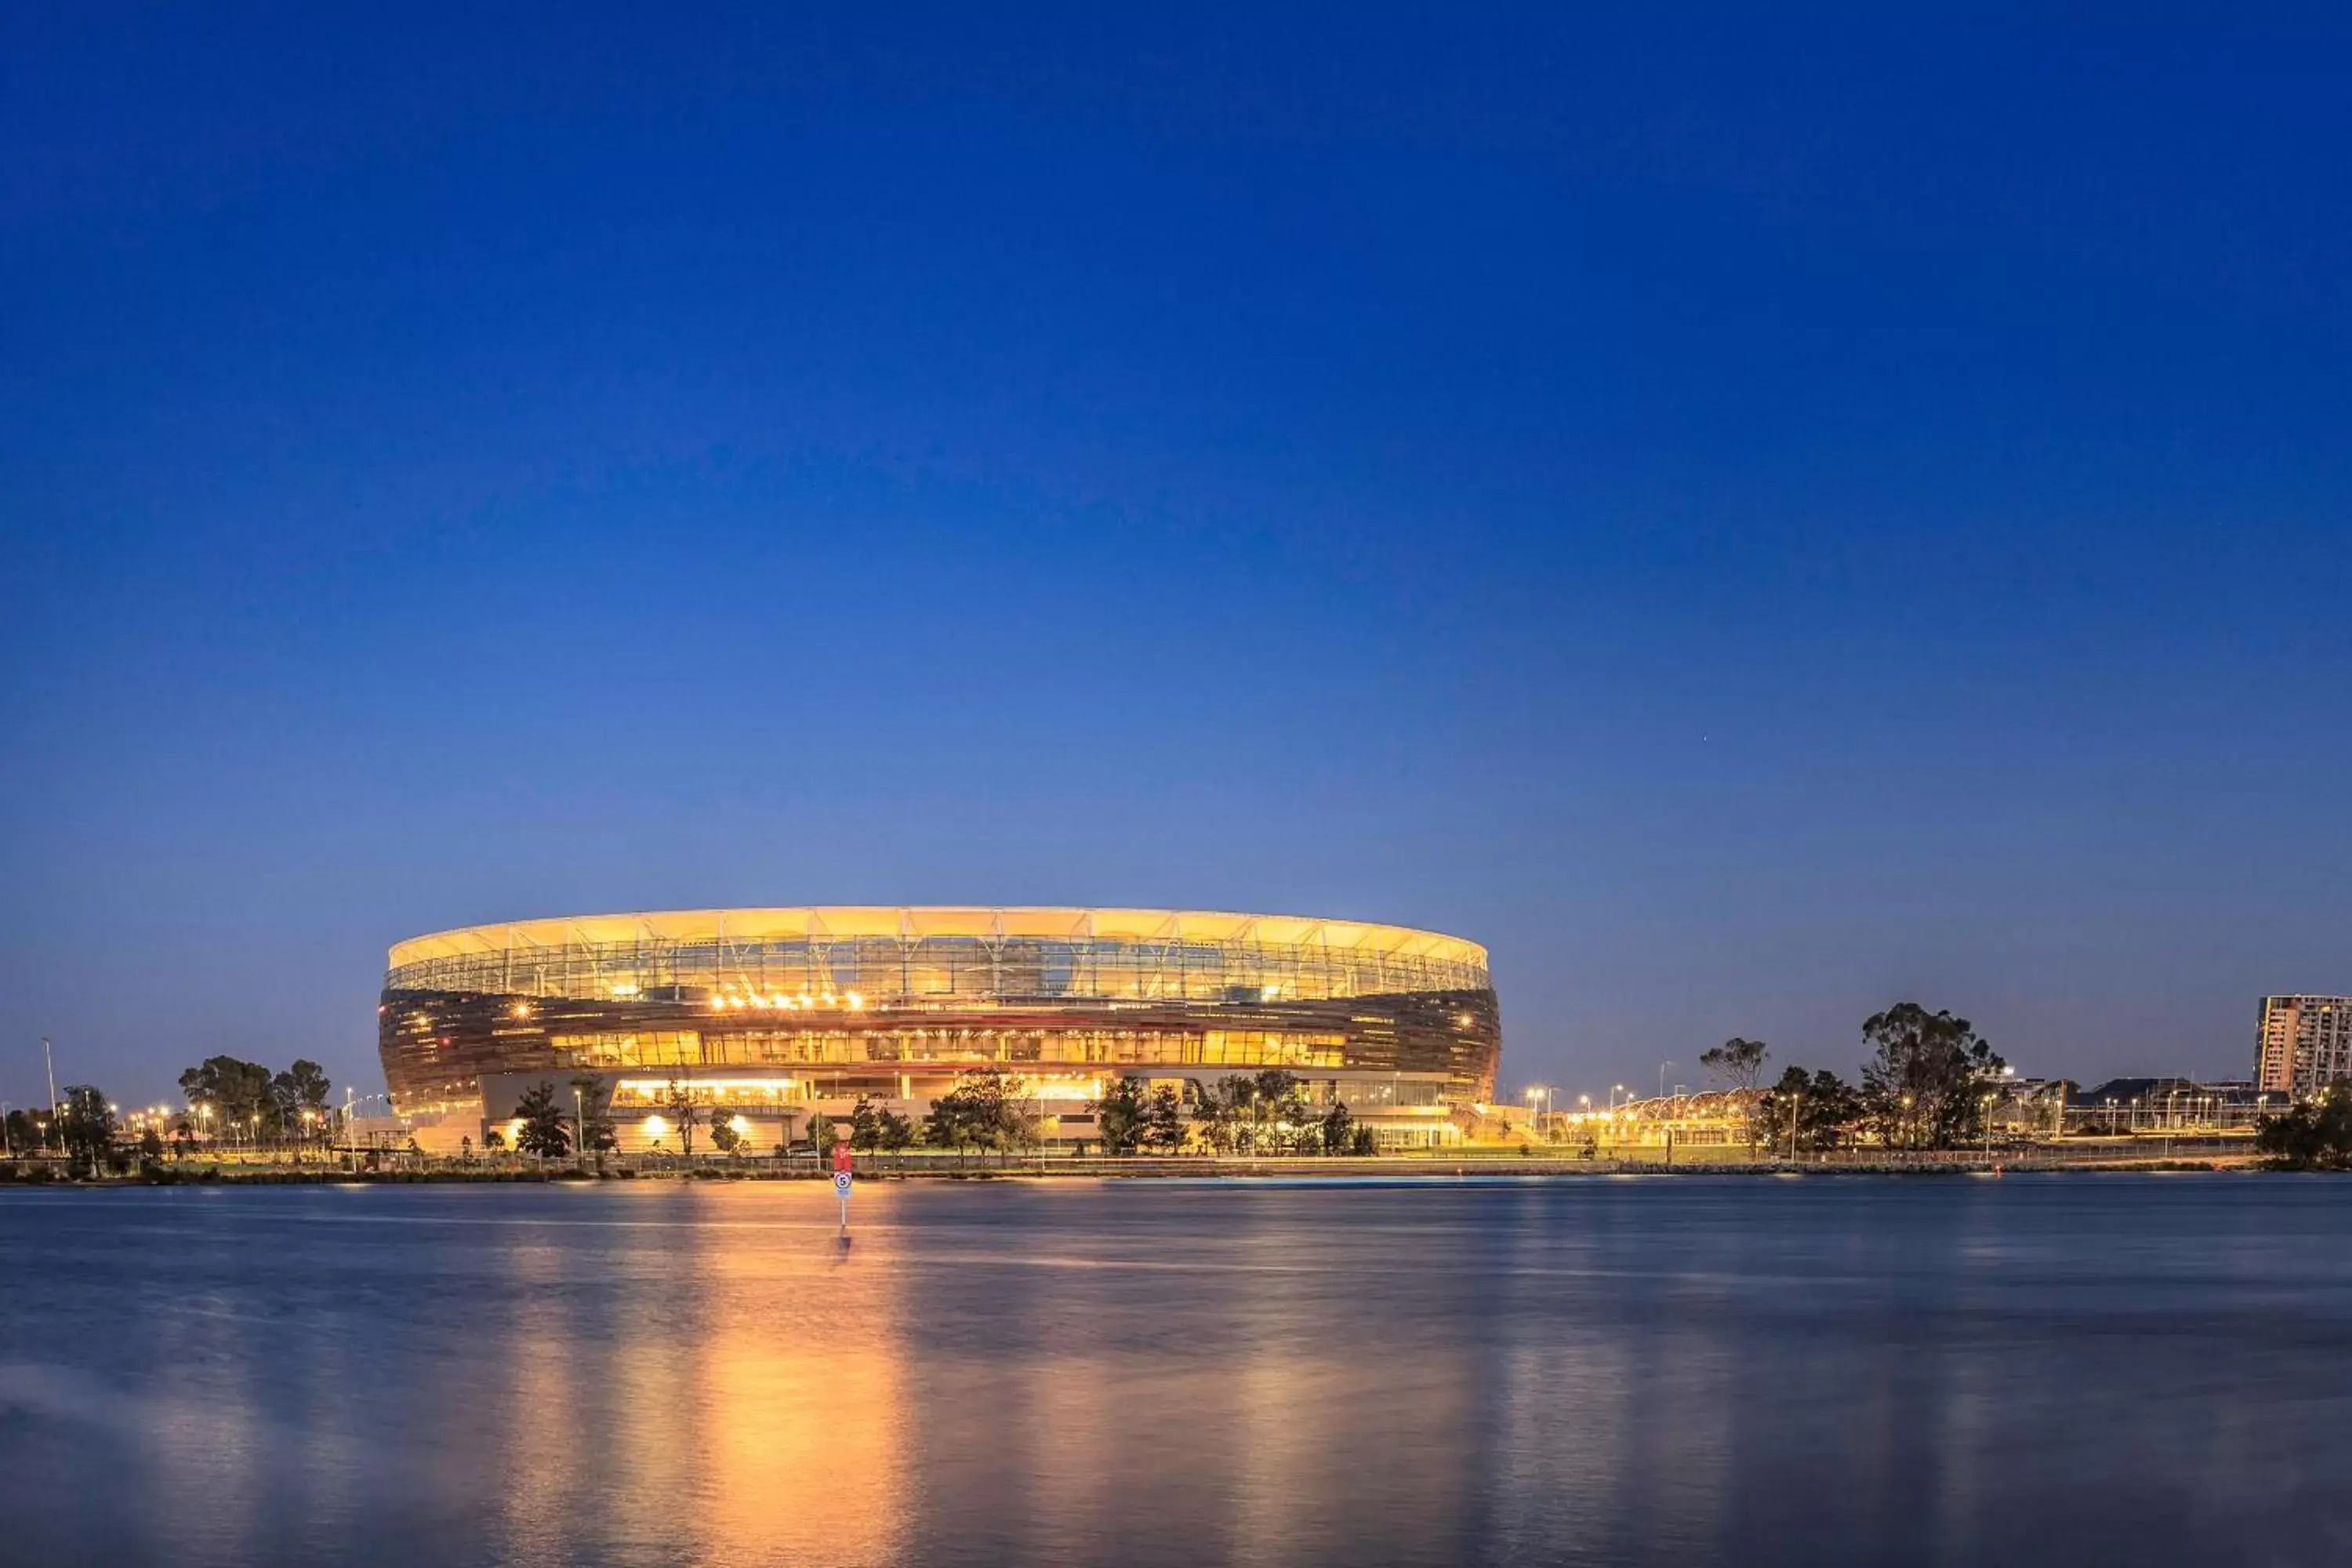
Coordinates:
(656, 1094)
(1211, 1047)
(433, 1042)
(882, 967)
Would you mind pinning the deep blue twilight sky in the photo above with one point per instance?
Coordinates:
(1754, 516)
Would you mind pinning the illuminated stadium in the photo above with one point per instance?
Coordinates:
(779, 1014)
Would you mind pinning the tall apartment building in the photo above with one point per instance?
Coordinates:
(2305, 1043)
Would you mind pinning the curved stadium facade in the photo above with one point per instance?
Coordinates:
(787, 1011)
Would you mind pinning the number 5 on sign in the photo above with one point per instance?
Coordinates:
(841, 1172)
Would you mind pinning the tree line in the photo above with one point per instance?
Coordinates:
(81, 1126)
(987, 1110)
(231, 1097)
(1246, 1114)
(1930, 1081)
(226, 1098)
(2314, 1135)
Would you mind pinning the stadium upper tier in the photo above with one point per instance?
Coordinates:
(716, 941)
(910, 987)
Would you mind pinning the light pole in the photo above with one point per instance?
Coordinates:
(1544, 1090)
(1662, 1079)
(49, 1069)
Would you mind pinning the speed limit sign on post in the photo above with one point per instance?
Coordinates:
(841, 1172)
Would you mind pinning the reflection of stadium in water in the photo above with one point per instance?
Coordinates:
(772, 1014)
(1172, 1373)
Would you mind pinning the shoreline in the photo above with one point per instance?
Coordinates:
(1401, 1172)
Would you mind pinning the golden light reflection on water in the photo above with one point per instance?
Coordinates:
(726, 1383)
(692, 1373)
(715, 1375)
(539, 1400)
(804, 1375)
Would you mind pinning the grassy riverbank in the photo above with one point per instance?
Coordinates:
(947, 1167)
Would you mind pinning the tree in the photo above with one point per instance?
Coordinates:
(296, 1102)
(545, 1131)
(945, 1126)
(894, 1131)
(1820, 1108)
(865, 1126)
(230, 1096)
(492, 1139)
(27, 1131)
(1230, 1114)
(819, 1133)
(300, 1089)
(1923, 1085)
(150, 1146)
(1739, 1062)
(592, 1108)
(1220, 1113)
(983, 1112)
(2315, 1135)
(1165, 1123)
(684, 1113)
(1282, 1123)
(85, 1126)
(1257, 1113)
(1120, 1115)
(723, 1134)
(1338, 1128)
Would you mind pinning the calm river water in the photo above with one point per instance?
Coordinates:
(2063, 1370)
